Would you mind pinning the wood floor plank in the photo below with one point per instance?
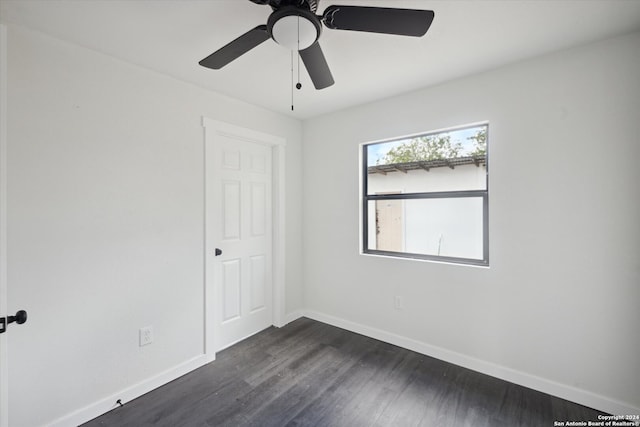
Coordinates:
(312, 374)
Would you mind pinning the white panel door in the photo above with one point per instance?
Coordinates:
(239, 224)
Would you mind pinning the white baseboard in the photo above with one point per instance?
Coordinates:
(292, 316)
(128, 394)
(582, 397)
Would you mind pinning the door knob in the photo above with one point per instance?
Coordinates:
(218, 252)
(19, 318)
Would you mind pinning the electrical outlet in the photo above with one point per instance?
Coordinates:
(398, 303)
(146, 335)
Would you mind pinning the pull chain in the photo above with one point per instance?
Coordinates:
(298, 85)
(291, 80)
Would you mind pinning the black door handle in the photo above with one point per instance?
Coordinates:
(218, 252)
(19, 318)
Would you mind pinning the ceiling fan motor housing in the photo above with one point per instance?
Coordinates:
(294, 28)
(312, 5)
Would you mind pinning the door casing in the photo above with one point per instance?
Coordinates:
(4, 386)
(278, 146)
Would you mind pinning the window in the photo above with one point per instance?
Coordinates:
(426, 196)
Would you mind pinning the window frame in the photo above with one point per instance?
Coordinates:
(366, 198)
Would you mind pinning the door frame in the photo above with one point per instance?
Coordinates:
(4, 371)
(278, 151)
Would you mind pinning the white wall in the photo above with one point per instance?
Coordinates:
(105, 222)
(558, 308)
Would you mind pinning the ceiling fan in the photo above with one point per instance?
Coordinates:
(295, 25)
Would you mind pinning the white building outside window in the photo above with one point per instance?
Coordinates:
(427, 196)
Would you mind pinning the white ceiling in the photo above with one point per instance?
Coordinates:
(466, 37)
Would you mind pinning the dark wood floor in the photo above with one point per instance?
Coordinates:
(312, 374)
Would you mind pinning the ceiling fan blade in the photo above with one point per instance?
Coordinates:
(236, 48)
(317, 66)
(404, 22)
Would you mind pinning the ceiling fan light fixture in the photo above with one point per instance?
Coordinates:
(294, 32)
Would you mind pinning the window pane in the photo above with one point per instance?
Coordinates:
(448, 161)
(450, 227)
